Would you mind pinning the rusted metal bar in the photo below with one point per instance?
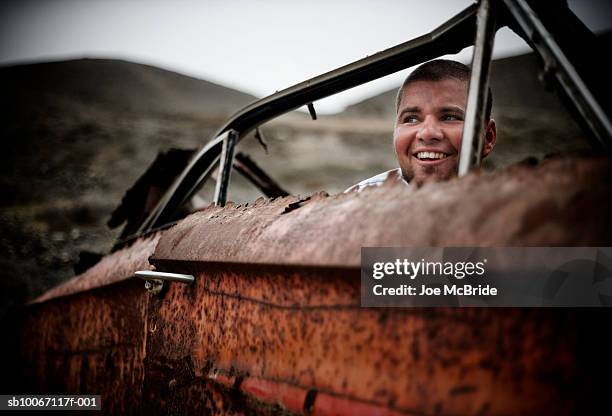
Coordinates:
(225, 166)
(471, 145)
(297, 399)
(242, 163)
(557, 63)
(312, 111)
(142, 197)
(260, 138)
(249, 169)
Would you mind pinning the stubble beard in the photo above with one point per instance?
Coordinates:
(428, 174)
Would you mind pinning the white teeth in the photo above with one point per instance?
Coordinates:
(430, 155)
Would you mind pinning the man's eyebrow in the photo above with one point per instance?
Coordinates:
(410, 110)
(450, 108)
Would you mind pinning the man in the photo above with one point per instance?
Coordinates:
(430, 111)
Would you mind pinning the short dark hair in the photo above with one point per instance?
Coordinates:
(438, 70)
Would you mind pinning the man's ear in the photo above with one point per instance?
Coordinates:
(490, 137)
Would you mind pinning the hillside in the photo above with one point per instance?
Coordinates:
(63, 121)
(120, 86)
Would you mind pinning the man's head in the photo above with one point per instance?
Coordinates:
(429, 124)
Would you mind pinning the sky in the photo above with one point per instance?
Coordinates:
(256, 46)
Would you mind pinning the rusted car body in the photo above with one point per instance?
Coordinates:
(273, 323)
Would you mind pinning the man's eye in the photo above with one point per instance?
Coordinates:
(411, 119)
(451, 117)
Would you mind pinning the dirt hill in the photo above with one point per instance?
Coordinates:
(120, 86)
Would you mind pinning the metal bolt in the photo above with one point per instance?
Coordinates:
(154, 286)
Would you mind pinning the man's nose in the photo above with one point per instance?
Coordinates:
(429, 130)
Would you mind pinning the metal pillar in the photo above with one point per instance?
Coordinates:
(471, 146)
(557, 64)
(225, 167)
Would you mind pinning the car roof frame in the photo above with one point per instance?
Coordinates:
(475, 25)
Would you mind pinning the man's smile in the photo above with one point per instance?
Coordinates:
(430, 157)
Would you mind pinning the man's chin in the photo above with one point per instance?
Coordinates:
(427, 175)
(423, 179)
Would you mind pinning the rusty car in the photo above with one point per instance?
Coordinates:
(255, 308)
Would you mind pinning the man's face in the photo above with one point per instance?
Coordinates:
(428, 130)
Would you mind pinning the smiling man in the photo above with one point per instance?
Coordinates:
(430, 111)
